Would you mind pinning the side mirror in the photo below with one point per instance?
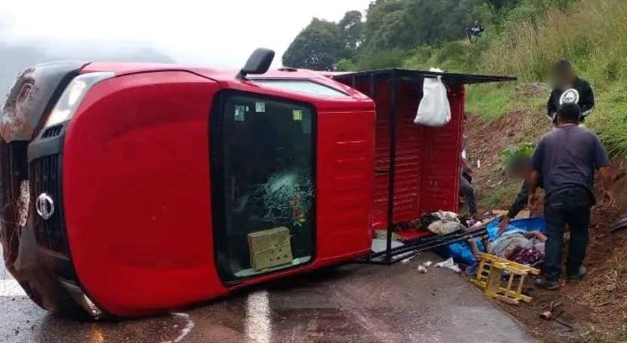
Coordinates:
(258, 63)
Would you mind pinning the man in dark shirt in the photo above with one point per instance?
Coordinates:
(474, 31)
(567, 158)
(569, 88)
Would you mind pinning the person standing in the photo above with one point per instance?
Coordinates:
(466, 189)
(567, 158)
(569, 88)
(474, 31)
(520, 168)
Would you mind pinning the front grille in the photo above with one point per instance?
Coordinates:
(45, 178)
(52, 131)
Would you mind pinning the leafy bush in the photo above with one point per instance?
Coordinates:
(345, 65)
(382, 59)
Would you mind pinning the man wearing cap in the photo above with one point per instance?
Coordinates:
(569, 88)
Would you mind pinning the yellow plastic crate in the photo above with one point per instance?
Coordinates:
(490, 279)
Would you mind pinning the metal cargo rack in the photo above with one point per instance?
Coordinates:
(392, 255)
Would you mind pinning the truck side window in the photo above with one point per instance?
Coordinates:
(264, 178)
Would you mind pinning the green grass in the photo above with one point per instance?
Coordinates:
(501, 197)
(488, 102)
(593, 35)
(610, 119)
(526, 42)
(494, 100)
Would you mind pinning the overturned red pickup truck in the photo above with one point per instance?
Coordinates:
(130, 189)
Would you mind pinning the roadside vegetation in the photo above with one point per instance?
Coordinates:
(522, 38)
(592, 34)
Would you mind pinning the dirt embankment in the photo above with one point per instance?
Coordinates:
(596, 307)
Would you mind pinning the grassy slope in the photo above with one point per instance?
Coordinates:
(593, 34)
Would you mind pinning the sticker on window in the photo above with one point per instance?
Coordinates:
(240, 113)
(260, 107)
(297, 115)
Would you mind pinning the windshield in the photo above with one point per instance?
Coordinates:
(304, 86)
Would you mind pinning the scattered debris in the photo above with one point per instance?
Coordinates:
(407, 260)
(552, 311)
(423, 268)
(568, 326)
(449, 264)
(441, 222)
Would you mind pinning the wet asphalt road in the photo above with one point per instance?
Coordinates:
(353, 303)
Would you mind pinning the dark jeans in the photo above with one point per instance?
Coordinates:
(466, 190)
(570, 207)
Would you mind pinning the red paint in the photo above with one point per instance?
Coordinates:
(136, 182)
(428, 160)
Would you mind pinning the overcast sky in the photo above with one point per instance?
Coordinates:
(210, 32)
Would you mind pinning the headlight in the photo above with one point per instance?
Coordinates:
(73, 95)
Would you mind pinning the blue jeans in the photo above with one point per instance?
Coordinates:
(572, 207)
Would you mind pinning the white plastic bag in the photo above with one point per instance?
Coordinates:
(434, 109)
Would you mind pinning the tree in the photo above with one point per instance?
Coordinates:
(352, 30)
(375, 18)
(345, 65)
(392, 27)
(317, 47)
(394, 32)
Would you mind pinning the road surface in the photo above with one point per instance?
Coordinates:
(353, 303)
